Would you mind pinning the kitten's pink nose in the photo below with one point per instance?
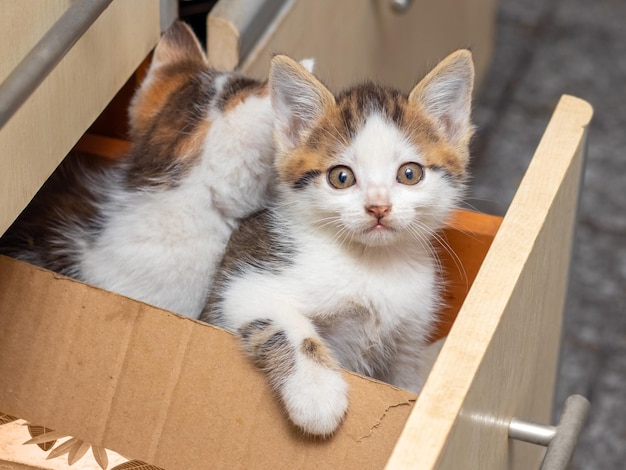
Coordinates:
(378, 211)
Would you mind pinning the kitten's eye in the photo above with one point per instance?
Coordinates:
(410, 173)
(341, 177)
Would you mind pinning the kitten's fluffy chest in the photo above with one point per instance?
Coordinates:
(363, 304)
(381, 287)
(376, 280)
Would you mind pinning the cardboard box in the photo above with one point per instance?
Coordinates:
(178, 393)
(155, 386)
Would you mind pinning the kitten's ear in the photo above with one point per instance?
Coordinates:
(178, 44)
(177, 49)
(298, 99)
(446, 94)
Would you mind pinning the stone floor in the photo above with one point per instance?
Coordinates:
(545, 48)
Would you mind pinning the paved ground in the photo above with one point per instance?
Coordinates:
(545, 48)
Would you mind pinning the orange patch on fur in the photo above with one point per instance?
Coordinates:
(302, 161)
(191, 146)
(424, 134)
(317, 351)
(149, 100)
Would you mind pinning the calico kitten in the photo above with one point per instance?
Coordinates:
(340, 271)
(154, 225)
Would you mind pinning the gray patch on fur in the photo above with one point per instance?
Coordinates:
(64, 217)
(270, 349)
(354, 320)
(254, 246)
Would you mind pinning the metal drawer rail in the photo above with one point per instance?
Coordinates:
(46, 54)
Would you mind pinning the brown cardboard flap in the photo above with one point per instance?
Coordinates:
(156, 386)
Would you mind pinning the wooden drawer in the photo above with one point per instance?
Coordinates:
(46, 127)
(178, 393)
(351, 40)
(500, 358)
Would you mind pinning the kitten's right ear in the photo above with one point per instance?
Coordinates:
(446, 94)
(178, 44)
(298, 99)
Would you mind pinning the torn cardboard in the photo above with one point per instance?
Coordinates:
(178, 393)
(162, 388)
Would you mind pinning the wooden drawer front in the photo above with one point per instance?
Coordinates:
(353, 40)
(46, 127)
(500, 358)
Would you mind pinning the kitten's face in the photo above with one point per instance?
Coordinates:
(379, 189)
(372, 166)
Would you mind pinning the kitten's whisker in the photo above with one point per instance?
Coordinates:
(422, 234)
(465, 203)
(455, 258)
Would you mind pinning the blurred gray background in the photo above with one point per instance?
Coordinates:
(543, 49)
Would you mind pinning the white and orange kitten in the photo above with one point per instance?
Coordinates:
(154, 225)
(339, 272)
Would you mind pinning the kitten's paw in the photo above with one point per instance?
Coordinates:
(316, 399)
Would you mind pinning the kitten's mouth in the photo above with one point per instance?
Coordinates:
(379, 226)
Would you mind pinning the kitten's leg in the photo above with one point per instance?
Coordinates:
(408, 368)
(300, 369)
(407, 373)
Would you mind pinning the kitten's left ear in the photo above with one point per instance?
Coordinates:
(446, 94)
(298, 99)
(178, 44)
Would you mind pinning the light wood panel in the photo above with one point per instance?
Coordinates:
(462, 247)
(41, 133)
(500, 358)
(354, 40)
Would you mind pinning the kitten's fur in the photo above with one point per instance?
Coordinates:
(327, 277)
(154, 225)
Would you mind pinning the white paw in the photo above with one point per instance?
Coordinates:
(316, 399)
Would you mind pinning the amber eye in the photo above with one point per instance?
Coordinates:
(410, 173)
(341, 177)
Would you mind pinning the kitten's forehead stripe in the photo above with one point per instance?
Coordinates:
(359, 102)
(340, 125)
(350, 119)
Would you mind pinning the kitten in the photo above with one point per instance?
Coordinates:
(154, 225)
(340, 271)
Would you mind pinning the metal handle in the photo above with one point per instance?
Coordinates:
(561, 440)
(400, 6)
(46, 54)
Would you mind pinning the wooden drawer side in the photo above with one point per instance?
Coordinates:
(500, 358)
(46, 127)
